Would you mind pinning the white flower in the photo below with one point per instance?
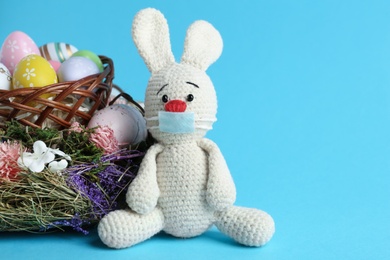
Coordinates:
(60, 153)
(13, 45)
(43, 155)
(17, 84)
(27, 50)
(30, 57)
(36, 161)
(58, 166)
(29, 73)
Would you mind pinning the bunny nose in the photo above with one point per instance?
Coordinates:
(175, 106)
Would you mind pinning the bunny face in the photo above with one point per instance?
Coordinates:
(180, 100)
(180, 88)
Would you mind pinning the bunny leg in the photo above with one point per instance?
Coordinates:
(125, 228)
(250, 227)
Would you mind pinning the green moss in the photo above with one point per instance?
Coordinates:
(76, 145)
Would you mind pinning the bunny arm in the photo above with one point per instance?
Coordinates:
(221, 191)
(143, 192)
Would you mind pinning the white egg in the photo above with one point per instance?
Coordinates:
(126, 121)
(76, 68)
(5, 77)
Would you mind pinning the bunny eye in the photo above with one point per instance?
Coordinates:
(190, 97)
(165, 98)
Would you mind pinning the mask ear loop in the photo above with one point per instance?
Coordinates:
(128, 98)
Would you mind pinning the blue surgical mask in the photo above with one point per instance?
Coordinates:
(176, 122)
(180, 122)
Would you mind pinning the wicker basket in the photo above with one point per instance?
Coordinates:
(69, 101)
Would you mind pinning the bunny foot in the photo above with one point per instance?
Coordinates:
(125, 228)
(250, 227)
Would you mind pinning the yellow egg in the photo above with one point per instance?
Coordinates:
(33, 71)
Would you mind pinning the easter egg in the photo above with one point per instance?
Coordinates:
(5, 77)
(76, 68)
(16, 46)
(57, 51)
(126, 121)
(33, 71)
(90, 55)
(55, 64)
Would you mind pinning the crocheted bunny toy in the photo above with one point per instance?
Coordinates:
(183, 185)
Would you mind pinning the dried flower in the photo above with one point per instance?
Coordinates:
(9, 154)
(76, 127)
(104, 138)
(77, 196)
(113, 179)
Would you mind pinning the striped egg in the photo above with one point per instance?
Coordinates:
(57, 51)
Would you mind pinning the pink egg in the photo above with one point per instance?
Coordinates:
(55, 64)
(16, 46)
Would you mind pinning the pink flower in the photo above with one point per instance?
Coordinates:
(104, 138)
(9, 154)
(76, 127)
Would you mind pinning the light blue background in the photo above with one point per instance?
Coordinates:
(303, 120)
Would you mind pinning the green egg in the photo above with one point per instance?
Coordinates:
(90, 55)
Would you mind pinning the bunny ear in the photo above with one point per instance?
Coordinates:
(203, 45)
(151, 36)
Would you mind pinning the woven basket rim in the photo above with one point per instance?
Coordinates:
(96, 89)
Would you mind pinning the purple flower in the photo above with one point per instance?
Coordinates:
(76, 223)
(105, 187)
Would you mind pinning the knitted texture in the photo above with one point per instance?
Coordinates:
(124, 228)
(183, 185)
(250, 227)
(183, 198)
(204, 104)
(144, 192)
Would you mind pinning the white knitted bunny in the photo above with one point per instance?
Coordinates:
(183, 185)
